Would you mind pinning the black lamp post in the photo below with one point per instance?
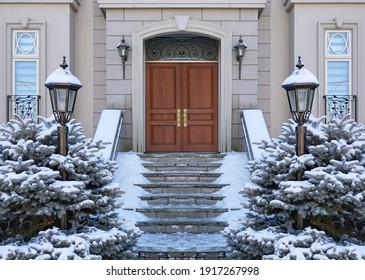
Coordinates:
(123, 48)
(240, 48)
(300, 88)
(63, 88)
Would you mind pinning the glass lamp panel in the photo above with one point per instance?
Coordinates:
(71, 100)
(310, 99)
(122, 51)
(61, 99)
(302, 99)
(52, 95)
(292, 100)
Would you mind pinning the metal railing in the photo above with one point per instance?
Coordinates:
(338, 106)
(25, 106)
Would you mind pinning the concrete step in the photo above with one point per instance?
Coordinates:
(182, 188)
(172, 212)
(195, 226)
(181, 176)
(182, 246)
(182, 167)
(182, 157)
(182, 199)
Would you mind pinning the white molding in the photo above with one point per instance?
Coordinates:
(104, 4)
(225, 76)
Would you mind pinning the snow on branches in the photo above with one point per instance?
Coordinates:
(331, 194)
(32, 193)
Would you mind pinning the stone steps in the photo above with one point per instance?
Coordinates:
(182, 214)
(182, 225)
(182, 246)
(181, 187)
(182, 199)
(178, 176)
(172, 166)
(182, 211)
(182, 157)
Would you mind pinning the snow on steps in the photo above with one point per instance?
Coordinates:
(182, 246)
(182, 216)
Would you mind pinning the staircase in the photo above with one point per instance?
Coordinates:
(182, 216)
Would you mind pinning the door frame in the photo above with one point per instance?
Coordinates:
(180, 24)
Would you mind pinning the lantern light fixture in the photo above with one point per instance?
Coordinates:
(300, 87)
(240, 49)
(123, 49)
(63, 88)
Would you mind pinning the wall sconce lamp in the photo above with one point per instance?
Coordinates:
(240, 49)
(123, 48)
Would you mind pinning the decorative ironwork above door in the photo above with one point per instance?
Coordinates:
(181, 49)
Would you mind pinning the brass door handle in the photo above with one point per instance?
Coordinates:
(178, 118)
(185, 118)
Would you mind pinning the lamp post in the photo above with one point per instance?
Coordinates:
(63, 88)
(300, 89)
(240, 48)
(123, 48)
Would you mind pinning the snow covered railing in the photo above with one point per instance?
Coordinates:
(108, 131)
(255, 131)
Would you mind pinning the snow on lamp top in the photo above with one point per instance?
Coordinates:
(300, 77)
(63, 77)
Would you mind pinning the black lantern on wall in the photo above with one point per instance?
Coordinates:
(123, 48)
(240, 49)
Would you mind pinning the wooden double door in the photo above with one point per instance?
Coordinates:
(182, 107)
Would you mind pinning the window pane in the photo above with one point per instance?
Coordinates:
(25, 77)
(338, 43)
(26, 43)
(338, 77)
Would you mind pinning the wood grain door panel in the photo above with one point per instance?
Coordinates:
(200, 90)
(162, 100)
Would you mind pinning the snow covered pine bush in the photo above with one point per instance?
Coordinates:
(330, 197)
(33, 196)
